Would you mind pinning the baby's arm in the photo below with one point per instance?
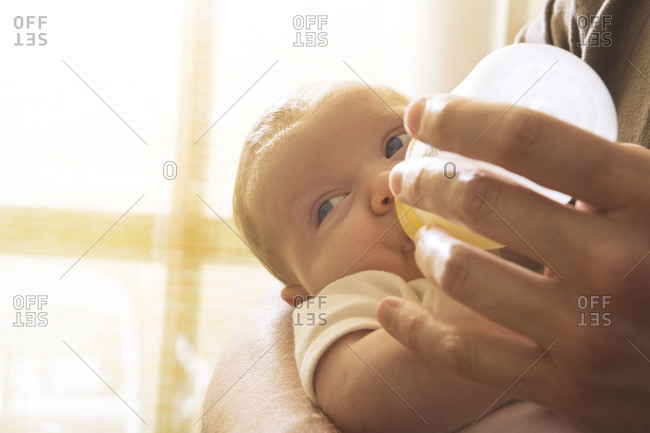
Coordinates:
(369, 382)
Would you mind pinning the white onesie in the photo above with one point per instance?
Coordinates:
(349, 305)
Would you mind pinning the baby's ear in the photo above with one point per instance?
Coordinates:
(294, 295)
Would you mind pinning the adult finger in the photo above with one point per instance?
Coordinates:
(539, 147)
(510, 295)
(498, 209)
(575, 381)
(492, 358)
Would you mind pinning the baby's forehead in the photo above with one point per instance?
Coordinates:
(375, 97)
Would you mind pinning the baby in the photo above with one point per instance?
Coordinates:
(312, 200)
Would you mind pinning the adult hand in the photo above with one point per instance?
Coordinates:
(581, 340)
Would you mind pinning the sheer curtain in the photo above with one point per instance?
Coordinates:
(120, 277)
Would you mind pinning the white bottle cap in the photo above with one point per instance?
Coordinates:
(547, 79)
(537, 76)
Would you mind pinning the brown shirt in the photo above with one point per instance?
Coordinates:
(613, 37)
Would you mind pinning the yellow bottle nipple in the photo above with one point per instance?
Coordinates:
(412, 219)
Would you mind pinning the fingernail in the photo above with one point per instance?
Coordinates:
(387, 310)
(413, 116)
(395, 179)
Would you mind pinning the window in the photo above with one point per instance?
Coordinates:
(120, 283)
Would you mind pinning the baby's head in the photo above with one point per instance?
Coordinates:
(312, 197)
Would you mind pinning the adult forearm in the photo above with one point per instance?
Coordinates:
(255, 385)
(368, 382)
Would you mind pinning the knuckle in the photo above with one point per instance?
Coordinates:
(455, 274)
(456, 352)
(415, 327)
(521, 130)
(615, 257)
(418, 181)
(422, 180)
(481, 189)
(440, 128)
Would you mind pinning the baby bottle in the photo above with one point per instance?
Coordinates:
(538, 76)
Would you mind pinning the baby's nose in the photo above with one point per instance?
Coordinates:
(381, 199)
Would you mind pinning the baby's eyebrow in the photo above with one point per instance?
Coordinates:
(389, 109)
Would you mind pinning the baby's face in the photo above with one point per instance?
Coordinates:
(330, 210)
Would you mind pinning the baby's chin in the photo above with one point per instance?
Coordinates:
(412, 275)
(408, 269)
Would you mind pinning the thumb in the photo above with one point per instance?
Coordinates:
(409, 323)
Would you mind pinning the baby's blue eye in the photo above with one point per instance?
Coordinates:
(327, 206)
(396, 143)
